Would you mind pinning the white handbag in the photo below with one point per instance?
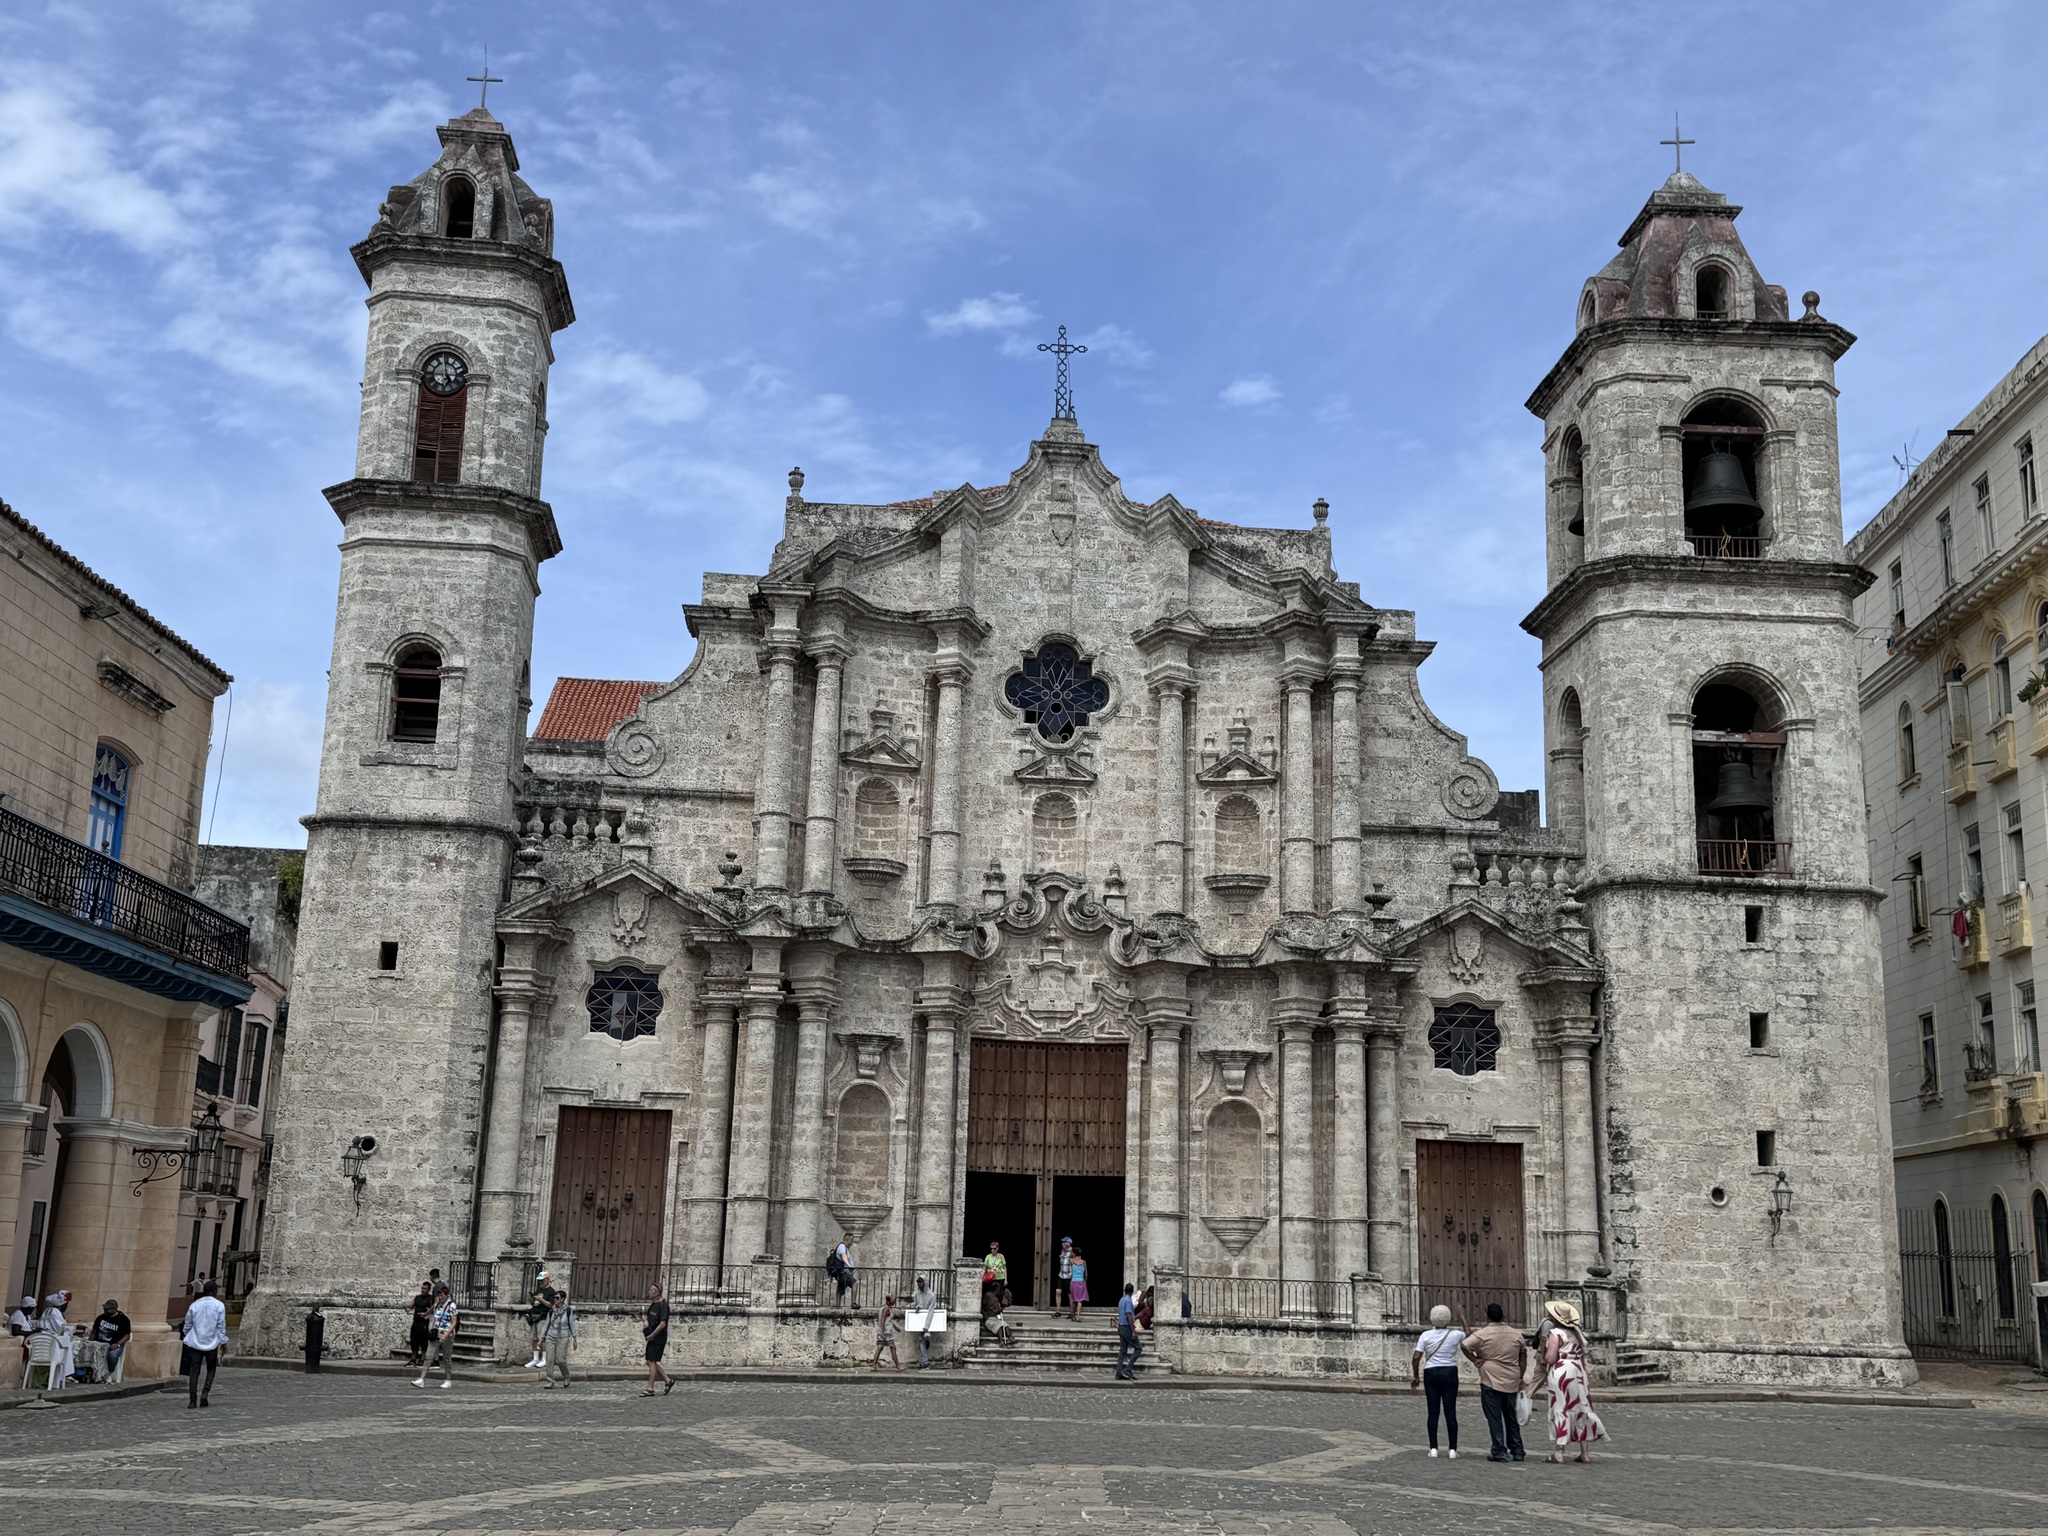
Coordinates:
(1521, 1407)
(933, 1321)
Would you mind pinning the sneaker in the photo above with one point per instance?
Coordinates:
(419, 1381)
(1501, 1457)
(1432, 1449)
(446, 1385)
(1454, 1455)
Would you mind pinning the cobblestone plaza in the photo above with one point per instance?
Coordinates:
(344, 1453)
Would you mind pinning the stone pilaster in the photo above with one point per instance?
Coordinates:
(504, 1217)
(1386, 1233)
(943, 1001)
(753, 1108)
(1295, 1014)
(821, 818)
(1347, 868)
(14, 1123)
(1170, 797)
(816, 989)
(1163, 1004)
(1349, 1019)
(1298, 797)
(772, 808)
(951, 676)
(1572, 1038)
(720, 1001)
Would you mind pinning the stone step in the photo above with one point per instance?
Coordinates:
(1635, 1368)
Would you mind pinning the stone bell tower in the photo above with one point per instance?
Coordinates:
(1701, 719)
(407, 852)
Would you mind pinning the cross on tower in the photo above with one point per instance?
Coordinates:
(1062, 391)
(486, 80)
(1677, 141)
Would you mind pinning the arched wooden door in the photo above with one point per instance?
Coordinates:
(611, 1174)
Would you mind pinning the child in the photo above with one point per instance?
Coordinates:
(1077, 1285)
(885, 1336)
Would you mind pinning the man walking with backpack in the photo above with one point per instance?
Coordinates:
(839, 1266)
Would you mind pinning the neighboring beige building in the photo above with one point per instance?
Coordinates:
(108, 966)
(1024, 860)
(1954, 641)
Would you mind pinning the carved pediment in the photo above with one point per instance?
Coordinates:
(1060, 768)
(884, 749)
(1237, 764)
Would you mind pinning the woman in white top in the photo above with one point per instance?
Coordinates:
(54, 1322)
(1434, 1367)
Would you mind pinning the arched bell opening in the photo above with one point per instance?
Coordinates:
(1737, 750)
(1724, 516)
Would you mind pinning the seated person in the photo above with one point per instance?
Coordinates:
(993, 1300)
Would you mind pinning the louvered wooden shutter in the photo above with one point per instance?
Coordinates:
(437, 437)
(1958, 714)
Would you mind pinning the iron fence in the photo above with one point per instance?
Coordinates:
(1726, 546)
(473, 1283)
(1231, 1298)
(67, 877)
(1966, 1288)
(1408, 1306)
(1744, 856)
(808, 1285)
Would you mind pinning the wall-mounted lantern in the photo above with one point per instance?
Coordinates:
(352, 1161)
(1781, 1203)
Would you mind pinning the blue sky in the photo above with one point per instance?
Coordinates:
(1315, 250)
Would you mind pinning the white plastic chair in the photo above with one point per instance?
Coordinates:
(42, 1352)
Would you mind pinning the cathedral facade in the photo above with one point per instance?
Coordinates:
(1024, 861)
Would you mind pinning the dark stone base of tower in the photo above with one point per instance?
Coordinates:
(1025, 862)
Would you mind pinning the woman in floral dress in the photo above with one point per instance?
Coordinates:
(1573, 1423)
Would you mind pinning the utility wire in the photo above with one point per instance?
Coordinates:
(221, 773)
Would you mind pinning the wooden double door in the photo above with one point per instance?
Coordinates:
(1468, 1228)
(1045, 1160)
(611, 1182)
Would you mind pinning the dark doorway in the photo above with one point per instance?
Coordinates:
(1090, 1210)
(1003, 1208)
(1047, 1119)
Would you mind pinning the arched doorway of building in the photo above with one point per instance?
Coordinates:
(1045, 1160)
(77, 1083)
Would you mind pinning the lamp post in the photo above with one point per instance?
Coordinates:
(202, 1141)
(1781, 1203)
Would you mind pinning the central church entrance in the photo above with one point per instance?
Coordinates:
(1468, 1228)
(1045, 1160)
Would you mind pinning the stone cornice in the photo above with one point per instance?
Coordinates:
(387, 246)
(535, 517)
(1619, 570)
(1822, 336)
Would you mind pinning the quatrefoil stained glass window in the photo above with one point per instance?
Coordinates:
(1056, 690)
(1465, 1039)
(624, 1003)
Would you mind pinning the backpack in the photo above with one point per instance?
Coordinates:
(835, 1266)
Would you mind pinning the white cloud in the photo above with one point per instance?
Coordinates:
(642, 388)
(996, 312)
(53, 162)
(1114, 344)
(272, 740)
(1254, 392)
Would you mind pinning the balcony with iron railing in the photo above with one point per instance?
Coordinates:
(60, 899)
(1746, 857)
(1726, 546)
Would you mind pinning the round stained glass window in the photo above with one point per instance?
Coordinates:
(1056, 690)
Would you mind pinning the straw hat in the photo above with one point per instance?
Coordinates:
(1562, 1312)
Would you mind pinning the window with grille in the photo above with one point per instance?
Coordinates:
(624, 1003)
(1916, 892)
(2030, 491)
(416, 694)
(2015, 849)
(1930, 1058)
(2026, 1033)
(1056, 690)
(1465, 1038)
(1909, 757)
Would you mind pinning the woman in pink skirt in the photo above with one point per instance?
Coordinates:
(1573, 1423)
(1077, 1286)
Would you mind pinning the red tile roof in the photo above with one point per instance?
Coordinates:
(586, 708)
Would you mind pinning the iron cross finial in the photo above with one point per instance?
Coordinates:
(1062, 390)
(486, 80)
(1677, 141)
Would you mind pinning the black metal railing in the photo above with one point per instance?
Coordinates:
(1229, 1298)
(1744, 856)
(808, 1285)
(1966, 1291)
(67, 877)
(1726, 546)
(1980, 1062)
(473, 1283)
(1408, 1306)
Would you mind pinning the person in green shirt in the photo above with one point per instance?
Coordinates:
(995, 1269)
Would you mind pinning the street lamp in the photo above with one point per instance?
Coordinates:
(1781, 1202)
(358, 1153)
(202, 1141)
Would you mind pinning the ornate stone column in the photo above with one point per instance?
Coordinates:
(1386, 1233)
(943, 1001)
(504, 1218)
(1164, 1005)
(1295, 1014)
(816, 988)
(753, 1107)
(1573, 1038)
(1298, 797)
(778, 741)
(1350, 1017)
(1347, 870)
(720, 1000)
(1170, 796)
(951, 675)
(821, 817)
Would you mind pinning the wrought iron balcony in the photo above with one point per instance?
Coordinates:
(1726, 546)
(61, 899)
(1744, 856)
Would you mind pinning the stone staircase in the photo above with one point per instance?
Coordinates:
(473, 1350)
(1048, 1345)
(1639, 1368)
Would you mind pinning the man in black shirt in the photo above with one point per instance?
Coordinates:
(422, 1306)
(112, 1329)
(655, 1331)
